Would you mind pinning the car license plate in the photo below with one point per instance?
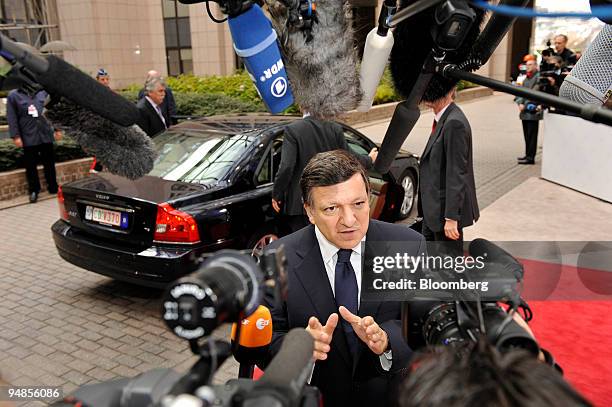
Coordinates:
(106, 217)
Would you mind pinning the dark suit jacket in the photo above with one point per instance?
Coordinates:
(168, 106)
(342, 379)
(531, 83)
(149, 122)
(303, 140)
(447, 188)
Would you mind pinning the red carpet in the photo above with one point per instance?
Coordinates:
(579, 335)
(574, 323)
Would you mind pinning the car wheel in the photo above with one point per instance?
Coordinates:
(406, 202)
(258, 245)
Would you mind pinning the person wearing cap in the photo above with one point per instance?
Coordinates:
(103, 77)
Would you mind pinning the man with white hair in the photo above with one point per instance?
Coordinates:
(168, 106)
(152, 120)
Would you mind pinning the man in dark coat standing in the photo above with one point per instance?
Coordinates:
(31, 131)
(168, 105)
(447, 192)
(152, 120)
(302, 140)
(530, 114)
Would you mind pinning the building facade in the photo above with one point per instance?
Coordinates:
(130, 37)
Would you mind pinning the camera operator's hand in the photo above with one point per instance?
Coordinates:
(521, 107)
(322, 335)
(367, 330)
(551, 80)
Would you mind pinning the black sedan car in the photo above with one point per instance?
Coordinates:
(210, 189)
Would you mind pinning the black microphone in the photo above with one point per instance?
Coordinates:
(62, 79)
(413, 71)
(287, 374)
(125, 151)
(490, 37)
(492, 253)
(590, 81)
(319, 55)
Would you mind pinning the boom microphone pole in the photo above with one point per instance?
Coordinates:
(586, 111)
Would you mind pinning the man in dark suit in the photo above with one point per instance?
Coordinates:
(447, 193)
(168, 106)
(358, 344)
(152, 120)
(530, 114)
(303, 139)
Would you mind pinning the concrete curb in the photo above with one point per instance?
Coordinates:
(385, 111)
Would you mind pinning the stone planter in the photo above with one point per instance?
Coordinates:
(14, 183)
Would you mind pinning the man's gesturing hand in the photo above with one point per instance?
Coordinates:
(367, 330)
(322, 335)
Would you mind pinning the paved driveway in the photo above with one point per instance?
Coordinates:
(64, 326)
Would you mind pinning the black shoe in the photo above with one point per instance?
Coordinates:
(521, 158)
(33, 197)
(526, 161)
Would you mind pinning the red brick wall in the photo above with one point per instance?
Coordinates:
(14, 183)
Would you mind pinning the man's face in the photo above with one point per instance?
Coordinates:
(559, 44)
(341, 211)
(104, 80)
(158, 94)
(531, 66)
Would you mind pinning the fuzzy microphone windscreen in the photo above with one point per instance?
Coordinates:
(321, 67)
(124, 151)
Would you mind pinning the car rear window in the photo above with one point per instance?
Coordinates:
(200, 158)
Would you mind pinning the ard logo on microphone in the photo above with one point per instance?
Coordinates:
(279, 87)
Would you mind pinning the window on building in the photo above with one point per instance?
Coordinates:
(20, 19)
(177, 31)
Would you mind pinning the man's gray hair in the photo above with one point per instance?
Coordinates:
(152, 83)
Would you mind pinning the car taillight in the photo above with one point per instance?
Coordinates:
(60, 203)
(174, 226)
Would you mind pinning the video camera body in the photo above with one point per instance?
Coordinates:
(468, 316)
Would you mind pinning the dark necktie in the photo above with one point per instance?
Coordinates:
(433, 125)
(346, 291)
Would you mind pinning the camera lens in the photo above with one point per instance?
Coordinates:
(226, 288)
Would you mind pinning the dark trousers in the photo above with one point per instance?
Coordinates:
(530, 132)
(31, 156)
(449, 247)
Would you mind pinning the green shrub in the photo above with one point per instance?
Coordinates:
(212, 95)
(238, 85)
(11, 156)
